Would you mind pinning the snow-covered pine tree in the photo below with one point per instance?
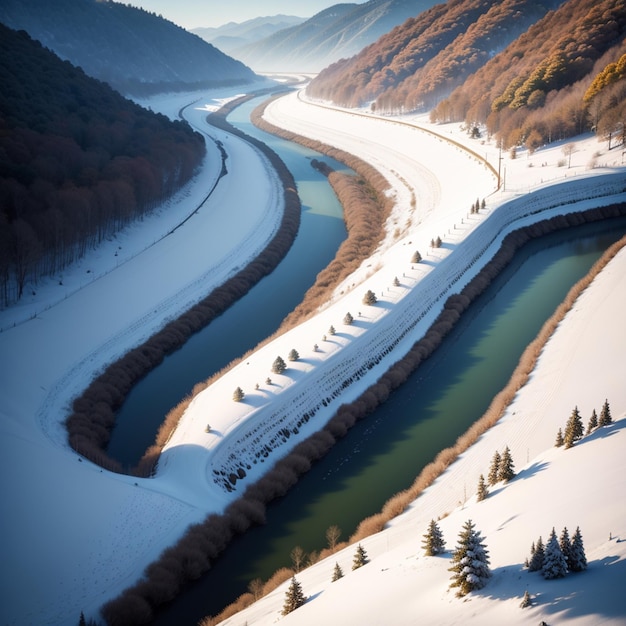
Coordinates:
(605, 415)
(293, 355)
(337, 572)
(294, 598)
(470, 561)
(565, 544)
(526, 600)
(506, 470)
(494, 469)
(593, 423)
(433, 543)
(578, 559)
(360, 557)
(554, 564)
(573, 429)
(537, 557)
(559, 439)
(278, 366)
(238, 394)
(482, 492)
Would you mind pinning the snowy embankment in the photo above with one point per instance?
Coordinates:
(75, 536)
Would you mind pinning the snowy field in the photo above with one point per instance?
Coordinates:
(75, 535)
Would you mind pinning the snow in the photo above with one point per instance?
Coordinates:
(75, 535)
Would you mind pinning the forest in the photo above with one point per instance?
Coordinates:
(77, 162)
(558, 72)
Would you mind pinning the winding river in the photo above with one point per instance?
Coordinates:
(382, 454)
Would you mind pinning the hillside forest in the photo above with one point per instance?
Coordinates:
(530, 72)
(77, 162)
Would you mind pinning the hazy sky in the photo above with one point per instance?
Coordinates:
(194, 13)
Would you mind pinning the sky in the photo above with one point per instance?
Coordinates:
(198, 13)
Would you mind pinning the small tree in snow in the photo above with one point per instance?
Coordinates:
(565, 544)
(293, 355)
(494, 468)
(348, 319)
(482, 491)
(360, 557)
(369, 298)
(470, 561)
(537, 556)
(573, 429)
(526, 600)
(559, 439)
(578, 559)
(278, 367)
(438, 242)
(294, 597)
(337, 572)
(605, 415)
(238, 394)
(331, 330)
(593, 423)
(417, 257)
(396, 282)
(506, 470)
(554, 564)
(433, 543)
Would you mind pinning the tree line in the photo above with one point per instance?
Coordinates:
(77, 162)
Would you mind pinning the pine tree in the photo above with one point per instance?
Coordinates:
(293, 355)
(578, 559)
(331, 330)
(337, 572)
(417, 257)
(494, 470)
(238, 394)
(565, 545)
(593, 423)
(433, 543)
(81, 620)
(369, 297)
(348, 319)
(537, 556)
(605, 415)
(506, 469)
(278, 367)
(559, 439)
(438, 242)
(360, 557)
(482, 491)
(526, 601)
(294, 597)
(470, 561)
(554, 564)
(396, 282)
(573, 429)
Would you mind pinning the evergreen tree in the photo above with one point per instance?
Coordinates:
(369, 297)
(554, 564)
(470, 561)
(482, 492)
(238, 394)
(483, 204)
(593, 422)
(278, 367)
(578, 559)
(293, 355)
(331, 330)
(81, 620)
(396, 282)
(294, 597)
(537, 556)
(605, 415)
(559, 439)
(565, 545)
(438, 242)
(416, 258)
(494, 470)
(506, 469)
(573, 429)
(360, 557)
(348, 319)
(433, 543)
(526, 601)
(337, 572)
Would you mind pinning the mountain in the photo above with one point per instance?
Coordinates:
(424, 58)
(78, 161)
(342, 30)
(135, 51)
(229, 37)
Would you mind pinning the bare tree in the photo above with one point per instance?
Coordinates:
(332, 536)
(297, 558)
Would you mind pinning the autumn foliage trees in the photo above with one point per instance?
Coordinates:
(77, 162)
